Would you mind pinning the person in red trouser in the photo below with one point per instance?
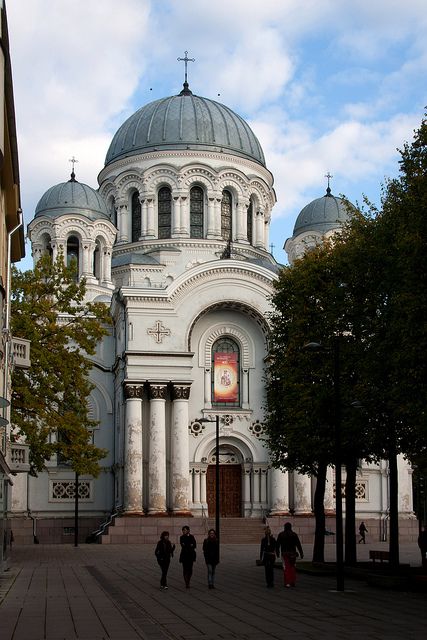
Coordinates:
(288, 545)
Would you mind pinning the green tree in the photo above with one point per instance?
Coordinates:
(49, 404)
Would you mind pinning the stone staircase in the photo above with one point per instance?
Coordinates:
(239, 530)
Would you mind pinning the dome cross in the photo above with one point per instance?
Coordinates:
(186, 60)
(73, 161)
(328, 176)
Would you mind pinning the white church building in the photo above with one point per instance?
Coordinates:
(176, 240)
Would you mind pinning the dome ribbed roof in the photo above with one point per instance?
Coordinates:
(181, 122)
(323, 214)
(72, 197)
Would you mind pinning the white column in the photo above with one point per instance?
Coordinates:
(185, 217)
(256, 485)
(329, 500)
(259, 230)
(404, 470)
(203, 496)
(157, 451)
(144, 220)
(266, 234)
(302, 493)
(210, 222)
(245, 389)
(207, 386)
(180, 481)
(176, 216)
(241, 223)
(247, 472)
(122, 215)
(217, 208)
(196, 486)
(151, 230)
(279, 487)
(106, 266)
(264, 487)
(132, 502)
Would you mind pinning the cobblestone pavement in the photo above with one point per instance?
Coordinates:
(94, 592)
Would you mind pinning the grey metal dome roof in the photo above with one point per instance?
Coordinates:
(72, 197)
(323, 214)
(181, 122)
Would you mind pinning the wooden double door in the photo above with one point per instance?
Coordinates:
(230, 490)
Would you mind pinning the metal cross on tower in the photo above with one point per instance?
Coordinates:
(328, 176)
(73, 161)
(186, 60)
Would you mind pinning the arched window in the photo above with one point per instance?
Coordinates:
(73, 253)
(196, 212)
(226, 373)
(165, 212)
(136, 217)
(46, 244)
(250, 222)
(226, 216)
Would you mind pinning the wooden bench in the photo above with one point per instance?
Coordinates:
(378, 555)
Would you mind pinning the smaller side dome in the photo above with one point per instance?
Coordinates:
(72, 197)
(323, 214)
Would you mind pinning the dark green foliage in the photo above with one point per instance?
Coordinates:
(49, 403)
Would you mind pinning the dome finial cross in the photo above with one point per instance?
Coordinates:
(73, 161)
(328, 176)
(186, 60)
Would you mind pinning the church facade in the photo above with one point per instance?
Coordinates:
(176, 240)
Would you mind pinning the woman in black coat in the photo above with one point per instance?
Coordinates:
(211, 553)
(267, 555)
(164, 553)
(188, 554)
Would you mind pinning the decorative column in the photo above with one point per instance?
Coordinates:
(132, 502)
(203, 495)
(264, 487)
(185, 217)
(279, 487)
(245, 389)
(207, 387)
(180, 481)
(210, 233)
(151, 231)
(106, 266)
(217, 208)
(144, 220)
(329, 499)
(122, 216)
(259, 231)
(302, 494)
(247, 504)
(157, 451)
(241, 223)
(176, 216)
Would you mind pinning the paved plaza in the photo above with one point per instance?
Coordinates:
(96, 592)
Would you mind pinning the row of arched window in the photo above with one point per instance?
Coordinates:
(196, 214)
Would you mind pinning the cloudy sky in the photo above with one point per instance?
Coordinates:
(327, 85)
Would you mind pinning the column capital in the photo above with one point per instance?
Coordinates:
(133, 391)
(180, 391)
(157, 391)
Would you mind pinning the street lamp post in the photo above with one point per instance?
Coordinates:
(217, 481)
(339, 537)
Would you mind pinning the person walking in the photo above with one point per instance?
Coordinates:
(267, 555)
(164, 552)
(288, 545)
(187, 557)
(422, 543)
(211, 553)
(362, 532)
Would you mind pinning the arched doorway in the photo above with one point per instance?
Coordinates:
(230, 483)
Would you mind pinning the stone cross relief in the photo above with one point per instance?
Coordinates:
(158, 331)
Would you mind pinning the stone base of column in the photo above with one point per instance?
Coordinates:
(132, 514)
(182, 513)
(274, 514)
(158, 514)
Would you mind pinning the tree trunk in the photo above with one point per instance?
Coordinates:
(350, 513)
(319, 515)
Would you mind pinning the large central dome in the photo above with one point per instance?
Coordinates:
(185, 121)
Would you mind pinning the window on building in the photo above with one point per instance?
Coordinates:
(226, 215)
(196, 212)
(250, 222)
(136, 217)
(165, 212)
(73, 253)
(225, 373)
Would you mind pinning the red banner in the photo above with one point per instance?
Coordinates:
(225, 377)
